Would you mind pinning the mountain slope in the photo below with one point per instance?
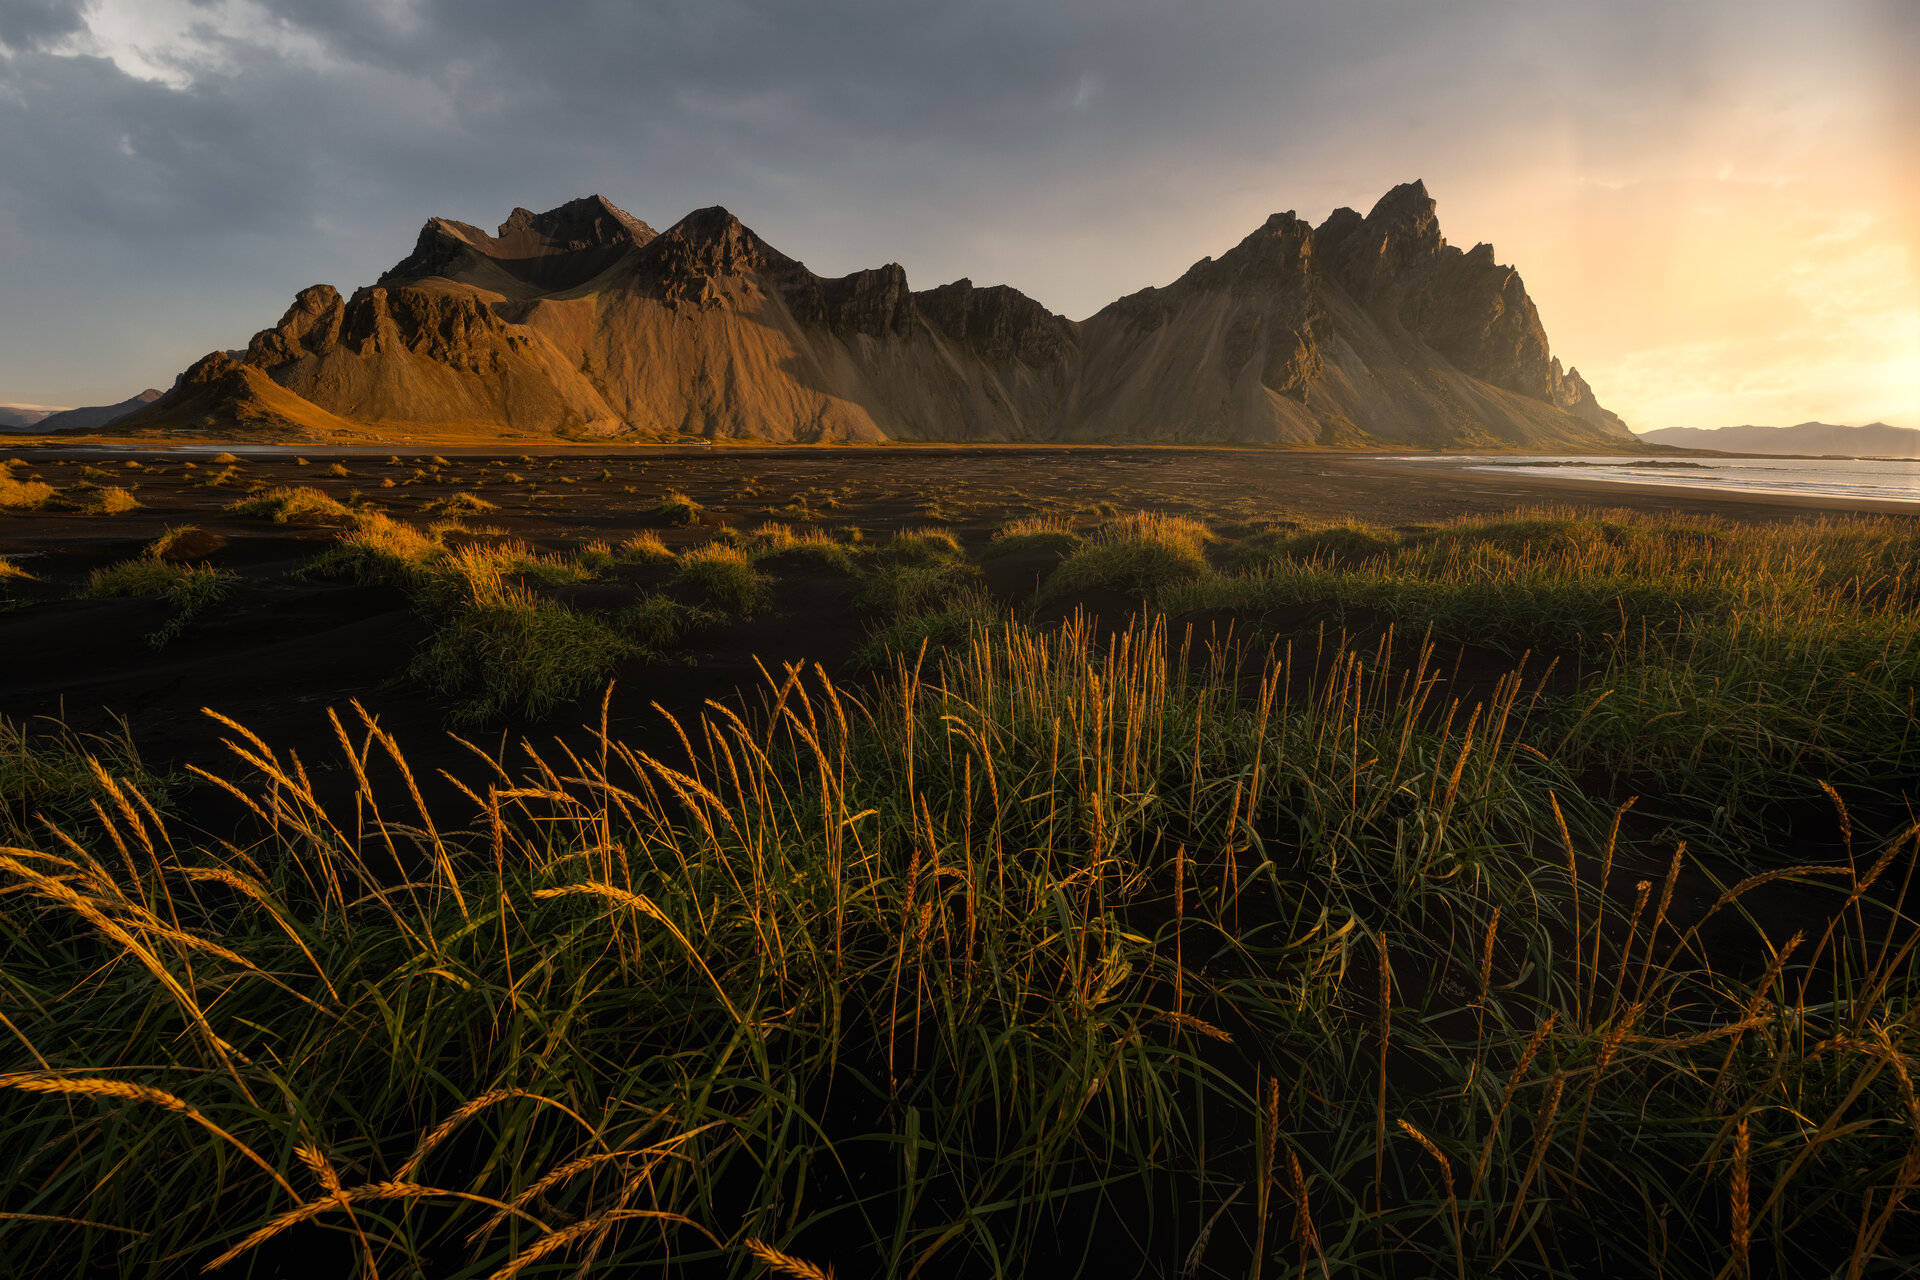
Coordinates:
(1875, 440)
(25, 417)
(585, 322)
(219, 396)
(94, 416)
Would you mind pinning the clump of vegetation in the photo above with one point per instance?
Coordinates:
(1336, 973)
(643, 547)
(1036, 533)
(720, 579)
(677, 508)
(110, 500)
(8, 569)
(300, 504)
(810, 546)
(170, 541)
(188, 590)
(58, 775)
(462, 503)
(1339, 545)
(499, 647)
(23, 494)
(221, 479)
(919, 547)
(510, 653)
(903, 590)
(378, 550)
(1143, 554)
(223, 459)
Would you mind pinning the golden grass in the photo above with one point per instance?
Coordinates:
(295, 504)
(23, 494)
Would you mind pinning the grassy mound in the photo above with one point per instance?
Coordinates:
(1141, 554)
(23, 494)
(188, 589)
(513, 654)
(299, 504)
(1036, 533)
(111, 500)
(721, 579)
(675, 508)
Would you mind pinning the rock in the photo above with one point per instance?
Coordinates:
(584, 321)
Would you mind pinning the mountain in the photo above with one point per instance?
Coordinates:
(24, 417)
(96, 416)
(585, 322)
(1875, 440)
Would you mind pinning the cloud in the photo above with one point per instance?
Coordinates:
(26, 25)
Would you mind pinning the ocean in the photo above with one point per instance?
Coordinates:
(1881, 480)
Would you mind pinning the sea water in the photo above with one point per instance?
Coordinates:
(1878, 479)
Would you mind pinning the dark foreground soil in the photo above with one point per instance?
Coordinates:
(281, 649)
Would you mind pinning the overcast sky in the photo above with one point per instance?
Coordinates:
(1715, 203)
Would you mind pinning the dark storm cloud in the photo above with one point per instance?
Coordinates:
(1075, 149)
(29, 24)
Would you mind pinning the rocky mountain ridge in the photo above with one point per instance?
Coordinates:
(1873, 440)
(583, 322)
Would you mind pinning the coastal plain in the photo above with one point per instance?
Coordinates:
(282, 646)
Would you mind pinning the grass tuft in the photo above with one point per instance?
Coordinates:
(187, 589)
(23, 494)
(514, 654)
(720, 579)
(462, 503)
(1143, 554)
(677, 508)
(299, 504)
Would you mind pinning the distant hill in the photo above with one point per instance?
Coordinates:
(1875, 440)
(24, 417)
(584, 322)
(96, 416)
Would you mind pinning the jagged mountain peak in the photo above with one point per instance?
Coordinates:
(583, 320)
(560, 249)
(712, 241)
(579, 224)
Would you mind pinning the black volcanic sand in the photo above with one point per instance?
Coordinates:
(279, 650)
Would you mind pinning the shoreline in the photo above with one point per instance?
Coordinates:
(1387, 487)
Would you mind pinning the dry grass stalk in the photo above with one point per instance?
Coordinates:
(1542, 1137)
(785, 1264)
(1446, 1178)
(1304, 1232)
(1739, 1194)
(1518, 1074)
(452, 1122)
(1386, 1035)
(560, 1239)
(319, 1166)
(83, 1223)
(101, 1087)
(1188, 1022)
(393, 1189)
(645, 906)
